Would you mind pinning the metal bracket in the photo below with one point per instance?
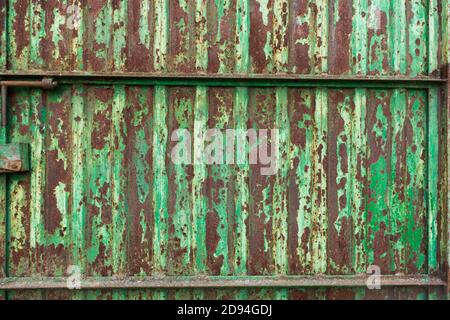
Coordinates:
(45, 83)
(14, 157)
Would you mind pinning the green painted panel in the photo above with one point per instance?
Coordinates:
(353, 185)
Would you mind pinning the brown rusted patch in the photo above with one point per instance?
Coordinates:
(221, 49)
(90, 55)
(339, 37)
(95, 6)
(139, 56)
(21, 34)
(341, 294)
(100, 266)
(212, 240)
(52, 260)
(340, 228)
(182, 37)
(299, 53)
(52, 218)
(58, 171)
(46, 45)
(258, 36)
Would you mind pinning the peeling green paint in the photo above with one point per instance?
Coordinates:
(161, 38)
(199, 199)
(160, 182)
(264, 9)
(319, 213)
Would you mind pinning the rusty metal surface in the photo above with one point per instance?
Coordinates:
(342, 37)
(4, 93)
(110, 207)
(389, 293)
(228, 80)
(363, 179)
(202, 282)
(45, 83)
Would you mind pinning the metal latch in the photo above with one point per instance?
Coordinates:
(45, 83)
(14, 157)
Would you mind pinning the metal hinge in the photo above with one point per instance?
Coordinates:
(45, 83)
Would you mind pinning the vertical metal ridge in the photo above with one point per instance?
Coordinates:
(432, 176)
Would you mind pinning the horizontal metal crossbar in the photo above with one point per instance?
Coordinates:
(172, 282)
(232, 80)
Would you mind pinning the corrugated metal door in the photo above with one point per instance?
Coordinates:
(355, 88)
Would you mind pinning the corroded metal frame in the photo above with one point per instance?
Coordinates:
(173, 282)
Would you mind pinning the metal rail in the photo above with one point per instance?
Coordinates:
(232, 80)
(171, 282)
